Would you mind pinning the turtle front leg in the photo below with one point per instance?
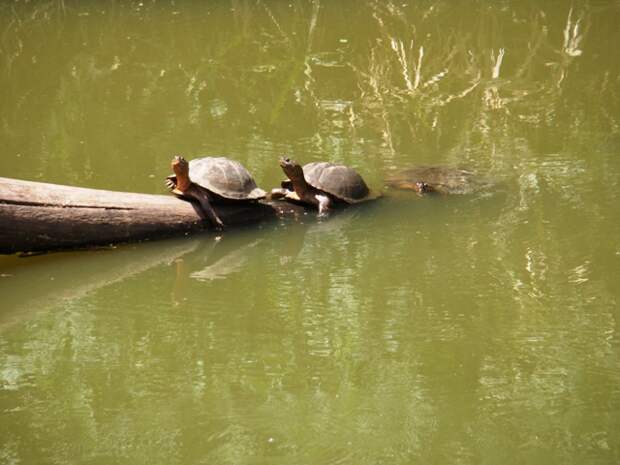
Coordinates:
(171, 182)
(206, 206)
(324, 204)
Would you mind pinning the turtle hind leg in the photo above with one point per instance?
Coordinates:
(278, 193)
(203, 198)
(284, 194)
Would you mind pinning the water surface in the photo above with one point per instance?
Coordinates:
(470, 329)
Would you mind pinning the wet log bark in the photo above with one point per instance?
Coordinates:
(38, 216)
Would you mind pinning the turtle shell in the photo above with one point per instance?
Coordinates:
(340, 181)
(226, 178)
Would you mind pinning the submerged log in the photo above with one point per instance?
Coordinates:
(38, 216)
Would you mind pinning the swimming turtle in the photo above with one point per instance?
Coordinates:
(440, 179)
(212, 180)
(322, 184)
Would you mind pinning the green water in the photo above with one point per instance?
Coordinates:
(472, 329)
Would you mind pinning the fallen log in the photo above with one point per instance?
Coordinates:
(38, 216)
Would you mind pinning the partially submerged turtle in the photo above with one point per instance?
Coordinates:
(212, 180)
(440, 179)
(322, 184)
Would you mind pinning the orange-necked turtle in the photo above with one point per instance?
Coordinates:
(440, 179)
(322, 184)
(212, 180)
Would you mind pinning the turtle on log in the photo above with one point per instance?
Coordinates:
(322, 184)
(212, 180)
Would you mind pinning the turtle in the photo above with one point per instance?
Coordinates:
(322, 184)
(438, 179)
(212, 180)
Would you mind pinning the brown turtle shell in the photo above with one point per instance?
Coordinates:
(225, 177)
(339, 181)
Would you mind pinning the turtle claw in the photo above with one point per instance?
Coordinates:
(218, 223)
(171, 182)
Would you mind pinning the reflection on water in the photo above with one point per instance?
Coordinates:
(436, 329)
(231, 260)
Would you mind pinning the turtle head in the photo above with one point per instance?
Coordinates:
(421, 187)
(180, 166)
(292, 169)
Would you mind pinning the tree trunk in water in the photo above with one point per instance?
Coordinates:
(38, 216)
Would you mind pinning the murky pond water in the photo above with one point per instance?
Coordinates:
(477, 328)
